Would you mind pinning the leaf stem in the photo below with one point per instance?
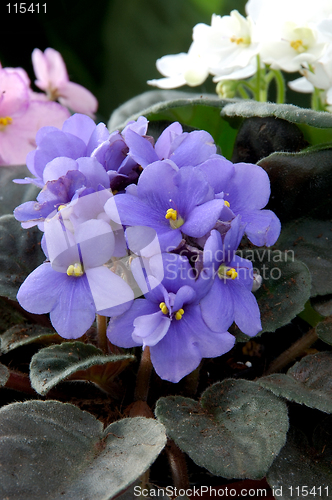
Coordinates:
(178, 465)
(293, 352)
(280, 82)
(143, 376)
(101, 333)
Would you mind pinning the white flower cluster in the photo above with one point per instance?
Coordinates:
(288, 35)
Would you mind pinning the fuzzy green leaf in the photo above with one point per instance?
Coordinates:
(50, 449)
(76, 360)
(324, 330)
(302, 466)
(13, 194)
(236, 430)
(301, 183)
(20, 335)
(310, 242)
(308, 382)
(285, 288)
(4, 375)
(20, 254)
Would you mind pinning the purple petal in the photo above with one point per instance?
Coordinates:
(58, 167)
(185, 295)
(74, 311)
(246, 310)
(165, 140)
(151, 328)
(263, 227)
(218, 306)
(108, 290)
(218, 172)
(192, 148)
(202, 218)
(96, 241)
(94, 172)
(249, 188)
(120, 329)
(81, 126)
(140, 149)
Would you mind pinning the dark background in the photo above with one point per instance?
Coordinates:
(111, 46)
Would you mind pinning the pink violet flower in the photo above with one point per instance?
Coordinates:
(52, 78)
(21, 116)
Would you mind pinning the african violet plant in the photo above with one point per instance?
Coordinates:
(162, 282)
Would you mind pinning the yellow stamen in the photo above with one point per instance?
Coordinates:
(298, 45)
(179, 314)
(232, 273)
(246, 40)
(60, 207)
(226, 203)
(163, 308)
(7, 120)
(171, 214)
(75, 270)
(225, 272)
(175, 220)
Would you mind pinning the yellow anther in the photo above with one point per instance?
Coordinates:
(298, 45)
(232, 273)
(163, 308)
(226, 203)
(75, 270)
(171, 214)
(60, 207)
(179, 314)
(7, 120)
(246, 40)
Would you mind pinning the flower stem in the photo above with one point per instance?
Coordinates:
(280, 82)
(292, 352)
(177, 462)
(143, 376)
(101, 333)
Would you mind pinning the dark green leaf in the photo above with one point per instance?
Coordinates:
(9, 315)
(201, 111)
(76, 360)
(323, 305)
(316, 126)
(301, 466)
(20, 335)
(301, 183)
(54, 450)
(236, 431)
(324, 330)
(308, 382)
(310, 241)
(13, 194)
(20, 254)
(285, 288)
(4, 375)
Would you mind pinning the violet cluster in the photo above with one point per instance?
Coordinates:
(145, 232)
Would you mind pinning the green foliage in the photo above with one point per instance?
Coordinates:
(20, 335)
(235, 431)
(308, 382)
(285, 288)
(303, 466)
(54, 450)
(53, 364)
(20, 254)
(324, 330)
(4, 375)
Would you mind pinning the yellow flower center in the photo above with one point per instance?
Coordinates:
(226, 203)
(227, 272)
(298, 46)
(245, 41)
(175, 220)
(60, 207)
(75, 270)
(163, 308)
(179, 314)
(7, 120)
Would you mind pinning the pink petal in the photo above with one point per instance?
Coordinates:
(49, 68)
(14, 93)
(18, 138)
(77, 98)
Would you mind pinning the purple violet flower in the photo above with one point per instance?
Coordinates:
(76, 284)
(169, 321)
(170, 200)
(183, 148)
(230, 297)
(245, 187)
